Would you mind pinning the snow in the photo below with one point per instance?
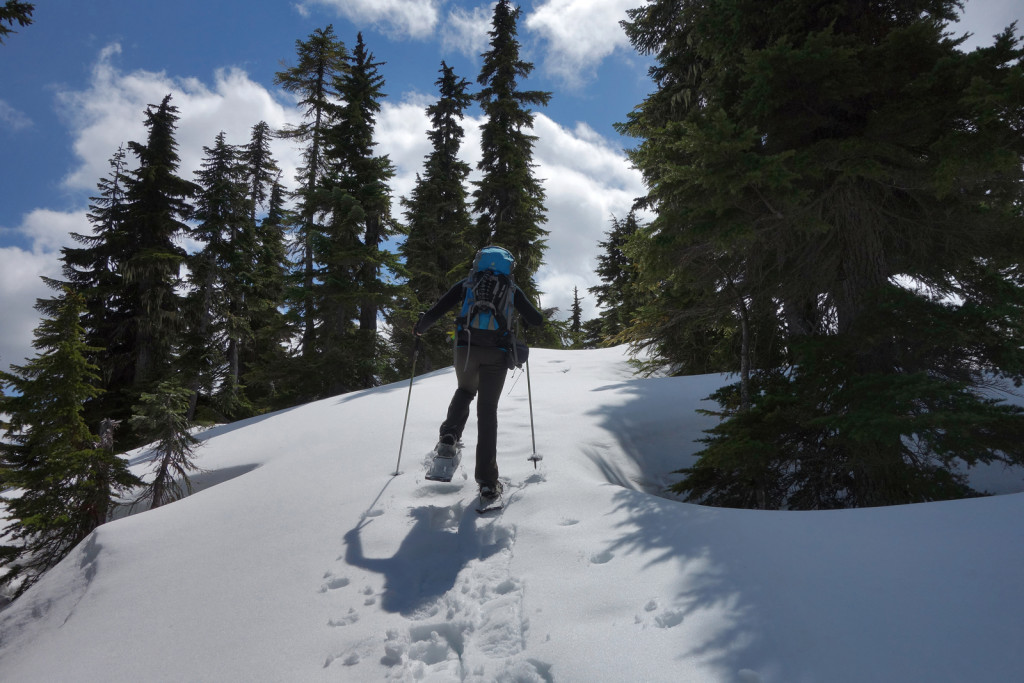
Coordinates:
(301, 558)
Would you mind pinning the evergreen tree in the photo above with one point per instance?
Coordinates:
(351, 259)
(157, 206)
(94, 271)
(508, 199)
(618, 295)
(68, 481)
(216, 321)
(439, 246)
(321, 59)
(162, 417)
(576, 320)
(804, 166)
(264, 366)
(15, 12)
(259, 352)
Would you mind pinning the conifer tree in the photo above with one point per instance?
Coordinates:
(439, 245)
(576, 320)
(264, 364)
(509, 200)
(69, 482)
(617, 295)
(805, 165)
(216, 321)
(352, 261)
(321, 59)
(15, 12)
(93, 270)
(162, 417)
(158, 204)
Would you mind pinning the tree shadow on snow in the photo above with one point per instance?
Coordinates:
(655, 432)
(441, 542)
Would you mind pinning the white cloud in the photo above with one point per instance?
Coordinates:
(45, 232)
(466, 32)
(13, 119)
(586, 181)
(580, 33)
(112, 109)
(413, 18)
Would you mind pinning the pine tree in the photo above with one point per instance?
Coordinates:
(321, 59)
(216, 319)
(69, 482)
(15, 12)
(618, 294)
(94, 271)
(264, 366)
(158, 205)
(262, 277)
(804, 166)
(162, 417)
(576, 320)
(351, 258)
(509, 200)
(439, 246)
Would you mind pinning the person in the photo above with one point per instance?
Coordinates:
(482, 360)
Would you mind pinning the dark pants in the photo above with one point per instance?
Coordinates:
(483, 373)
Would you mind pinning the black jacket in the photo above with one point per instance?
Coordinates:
(531, 317)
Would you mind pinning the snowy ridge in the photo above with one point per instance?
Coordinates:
(303, 559)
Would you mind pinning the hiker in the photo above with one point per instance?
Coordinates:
(485, 349)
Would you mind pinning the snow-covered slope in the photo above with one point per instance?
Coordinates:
(304, 559)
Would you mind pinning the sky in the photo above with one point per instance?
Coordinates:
(75, 84)
(302, 558)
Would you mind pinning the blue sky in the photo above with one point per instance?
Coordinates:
(74, 85)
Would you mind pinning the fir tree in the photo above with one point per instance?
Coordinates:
(804, 166)
(94, 271)
(439, 246)
(69, 482)
(321, 59)
(352, 261)
(162, 417)
(508, 199)
(618, 295)
(576, 320)
(217, 271)
(15, 12)
(264, 364)
(158, 204)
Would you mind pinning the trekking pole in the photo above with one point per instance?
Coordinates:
(535, 458)
(415, 353)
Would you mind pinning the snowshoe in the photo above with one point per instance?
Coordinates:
(490, 498)
(447, 455)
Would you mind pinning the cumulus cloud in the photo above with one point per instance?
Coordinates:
(13, 119)
(412, 18)
(586, 179)
(44, 232)
(466, 32)
(110, 112)
(579, 33)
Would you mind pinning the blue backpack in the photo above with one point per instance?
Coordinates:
(489, 293)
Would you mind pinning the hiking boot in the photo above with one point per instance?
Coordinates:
(446, 447)
(489, 492)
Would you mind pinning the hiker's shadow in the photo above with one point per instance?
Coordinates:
(440, 544)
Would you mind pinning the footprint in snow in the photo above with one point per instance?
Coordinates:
(603, 557)
(350, 618)
(568, 521)
(333, 582)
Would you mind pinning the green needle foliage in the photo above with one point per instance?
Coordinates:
(67, 483)
(837, 193)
